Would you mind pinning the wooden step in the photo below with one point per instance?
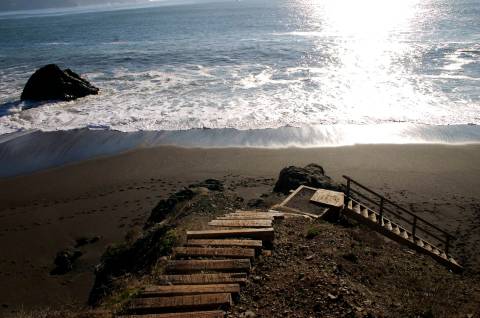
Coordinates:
(221, 265)
(177, 290)
(275, 215)
(328, 197)
(196, 314)
(241, 223)
(265, 234)
(245, 217)
(224, 252)
(202, 279)
(180, 303)
(397, 233)
(226, 242)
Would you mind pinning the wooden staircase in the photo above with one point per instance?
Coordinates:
(204, 276)
(397, 223)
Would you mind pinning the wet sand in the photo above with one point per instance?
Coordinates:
(46, 211)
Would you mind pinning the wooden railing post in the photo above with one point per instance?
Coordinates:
(447, 244)
(348, 188)
(414, 227)
(381, 210)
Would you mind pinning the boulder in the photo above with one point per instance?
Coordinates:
(51, 83)
(311, 175)
(64, 261)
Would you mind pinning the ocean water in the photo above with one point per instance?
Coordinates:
(254, 65)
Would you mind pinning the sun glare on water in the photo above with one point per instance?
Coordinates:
(368, 44)
(365, 18)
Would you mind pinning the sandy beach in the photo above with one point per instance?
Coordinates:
(47, 211)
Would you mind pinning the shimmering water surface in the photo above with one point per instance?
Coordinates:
(250, 64)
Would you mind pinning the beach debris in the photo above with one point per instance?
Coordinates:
(51, 83)
(312, 175)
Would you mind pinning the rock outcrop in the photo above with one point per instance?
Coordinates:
(51, 83)
(64, 261)
(167, 206)
(311, 175)
(135, 258)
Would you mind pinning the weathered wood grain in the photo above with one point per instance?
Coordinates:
(241, 223)
(226, 265)
(264, 234)
(225, 252)
(217, 278)
(180, 290)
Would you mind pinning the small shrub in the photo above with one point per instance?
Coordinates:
(312, 233)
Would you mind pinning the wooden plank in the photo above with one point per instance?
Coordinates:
(177, 290)
(328, 197)
(180, 303)
(228, 252)
(202, 279)
(291, 195)
(275, 215)
(241, 223)
(221, 265)
(196, 314)
(295, 213)
(252, 216)
(226, 242)
(245, 217)
(264, 234)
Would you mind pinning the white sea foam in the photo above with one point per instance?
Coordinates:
(243, 97)
(457, 60)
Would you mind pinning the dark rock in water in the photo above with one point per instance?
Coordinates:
(311, 175)
(136, 258)
(166, 207)
(64, 261)
(51, 83)
(210, 184)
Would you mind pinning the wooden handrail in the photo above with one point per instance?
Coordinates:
(398, 207)
(416, 218)
(384, 208)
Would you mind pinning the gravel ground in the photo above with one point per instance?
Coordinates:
(319, 269)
